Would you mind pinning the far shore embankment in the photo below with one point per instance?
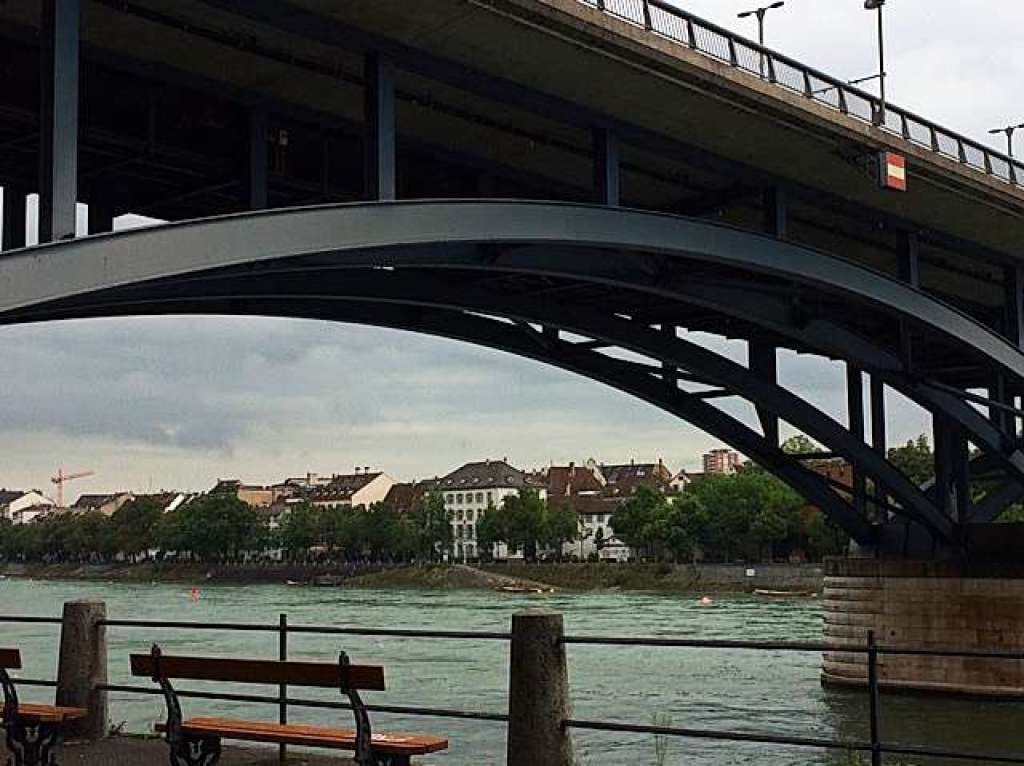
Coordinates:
(568, 577)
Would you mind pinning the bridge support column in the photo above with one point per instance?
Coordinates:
(13, 219)
(927, 605)
(58, 119)
(381, 129)
(606, 167)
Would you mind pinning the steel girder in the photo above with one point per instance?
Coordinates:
(239, 264)
(431, 290)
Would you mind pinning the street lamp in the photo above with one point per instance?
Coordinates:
(761, 13)
(879, 5)
(1009, 130)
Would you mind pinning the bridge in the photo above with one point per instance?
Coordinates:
(580, 182)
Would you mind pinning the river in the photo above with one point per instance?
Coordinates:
(774, 692)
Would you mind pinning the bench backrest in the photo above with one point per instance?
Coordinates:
(10, 659)
(320, 674)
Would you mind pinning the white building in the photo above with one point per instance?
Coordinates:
(22, 507)
(470, 490)
(363, 488)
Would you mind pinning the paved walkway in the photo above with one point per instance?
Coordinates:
(123, 751)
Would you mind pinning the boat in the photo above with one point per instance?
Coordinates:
(785, 593)
(522, 589)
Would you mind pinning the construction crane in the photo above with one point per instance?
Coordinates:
(63, 478)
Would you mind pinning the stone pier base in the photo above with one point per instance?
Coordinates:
(928, 605)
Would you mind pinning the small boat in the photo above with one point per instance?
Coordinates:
(785, 593)
(521, 589)
(292, 582)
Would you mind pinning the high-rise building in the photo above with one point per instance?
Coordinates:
(721, 461)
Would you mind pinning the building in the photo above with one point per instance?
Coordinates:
(255, 495)
(409, 497)
(595, 491)
(624, 480)
(108, 504)
(23, 506)
(363, 488)
(722, 461)
(470, 490)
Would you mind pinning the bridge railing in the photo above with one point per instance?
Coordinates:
(697, 34)
(874, 747)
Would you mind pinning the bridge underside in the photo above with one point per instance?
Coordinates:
(609, 294)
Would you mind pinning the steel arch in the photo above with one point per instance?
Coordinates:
(170, 268)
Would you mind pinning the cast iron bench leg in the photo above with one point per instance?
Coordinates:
(195, 751)
(33, 744)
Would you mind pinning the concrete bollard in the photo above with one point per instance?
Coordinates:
(82, 666)
(538, 694)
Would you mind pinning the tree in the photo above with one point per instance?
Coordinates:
(526, 524)
(561, 525)
(300, 529)
(915, 459)
(683, 526)
(800, 445)
(749, 512)
(214, 527)
(134, 526)
(433, 528)
(491, 529)
(639, 521)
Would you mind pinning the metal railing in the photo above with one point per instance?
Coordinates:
(875, 747)
(675, 24)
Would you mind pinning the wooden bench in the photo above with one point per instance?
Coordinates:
(33, 732)
(196, 741)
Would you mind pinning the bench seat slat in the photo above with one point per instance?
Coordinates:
(48, 713)
(317, 674)
(310, 736)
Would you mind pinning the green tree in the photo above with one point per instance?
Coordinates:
(134, 526)
(217, 527)
(915, 459)
(491, 529)
(89, 536)
(526, 524)
(800, 445)
(683, 526)
(300, 530)
(639, 521)
(433, 528)
(561, 525)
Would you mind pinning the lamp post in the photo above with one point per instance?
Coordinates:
(1009, 130)
(760, 13)
(879, 5)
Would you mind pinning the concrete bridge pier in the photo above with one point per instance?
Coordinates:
(926, 604)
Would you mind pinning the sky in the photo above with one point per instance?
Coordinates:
(176, 403)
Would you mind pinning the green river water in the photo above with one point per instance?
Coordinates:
(735, 690)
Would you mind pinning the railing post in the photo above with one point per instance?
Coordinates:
(648, 21)
(538, 693)
(282, 655)
(82, 666)
(876, 745)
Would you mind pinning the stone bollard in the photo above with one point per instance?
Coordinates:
(538, 694)
(82, 666)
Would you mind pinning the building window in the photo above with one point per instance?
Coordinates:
(490, 497)
(459, 516)
(449, 498)
(469, 515)
(479, 497)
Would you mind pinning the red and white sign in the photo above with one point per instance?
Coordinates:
(893, 171)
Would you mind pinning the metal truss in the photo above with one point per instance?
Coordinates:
(573, 286)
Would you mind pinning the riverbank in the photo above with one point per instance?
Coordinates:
(512, 576)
